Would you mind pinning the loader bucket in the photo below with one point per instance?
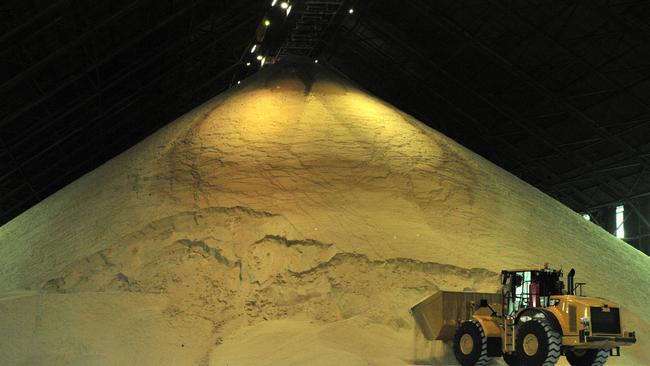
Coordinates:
(438, 315)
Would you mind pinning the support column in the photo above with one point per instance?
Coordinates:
(644, 232)
(607, 219)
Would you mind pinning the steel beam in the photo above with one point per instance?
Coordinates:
(126, 97)
(450, 25)
(60, 51)
(385, 34)
(30, 21)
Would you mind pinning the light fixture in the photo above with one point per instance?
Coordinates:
(284, 5)
(267, 22)
(351, 11)
(316, 61)
(248, 64)
(262, 61)
(288, 10)
(238, 82)
(274, 2)
(253, 48)
(259, 57)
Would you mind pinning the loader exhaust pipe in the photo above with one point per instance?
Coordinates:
(569, 278)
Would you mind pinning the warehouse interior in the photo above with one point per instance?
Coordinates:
(305, 182)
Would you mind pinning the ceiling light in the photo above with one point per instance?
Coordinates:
(253, 48)
(351, 11)
(259, 57)
(274, 2)
(267, 22)
(262, 61)
(288, 10)
(316, 61)
(284, 5)
(238, 82)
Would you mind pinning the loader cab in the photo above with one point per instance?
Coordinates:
(529, 289)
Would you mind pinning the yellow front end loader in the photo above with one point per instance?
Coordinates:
(532, 322)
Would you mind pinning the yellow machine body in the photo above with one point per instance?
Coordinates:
(438, 315)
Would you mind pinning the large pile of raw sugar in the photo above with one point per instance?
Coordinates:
(292, 220)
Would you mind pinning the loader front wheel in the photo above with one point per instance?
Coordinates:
(537, 344)
(470, 344)
(587, 357)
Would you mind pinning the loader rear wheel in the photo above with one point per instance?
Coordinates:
(587, 357)
(511, 359)
(470, 344)
(537, 343)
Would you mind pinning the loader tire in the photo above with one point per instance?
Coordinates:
(587, 357)
(537, 343)
(470, 344)
(511, 359)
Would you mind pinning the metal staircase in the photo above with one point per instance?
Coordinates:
(314, 19)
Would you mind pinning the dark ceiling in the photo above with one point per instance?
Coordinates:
(556, 92)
